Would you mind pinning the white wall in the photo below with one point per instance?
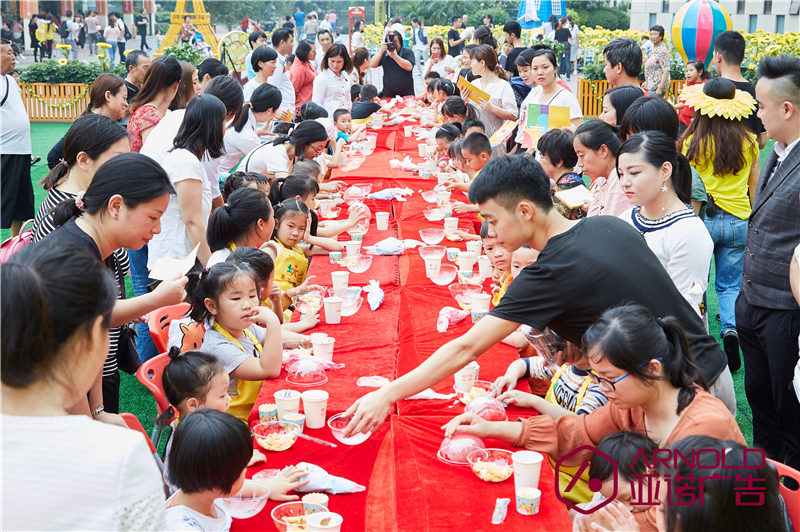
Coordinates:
(641, 10)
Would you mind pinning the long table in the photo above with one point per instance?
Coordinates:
(407, 487)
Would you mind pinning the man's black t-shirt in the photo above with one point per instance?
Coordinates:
(454, 35)
(396, 80)
(510, 61)
(132, 90)
(753, 122)
(289, 26)
(600, 263)
(141, 26)
(363, 109)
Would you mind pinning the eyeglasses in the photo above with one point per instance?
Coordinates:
(609, 384)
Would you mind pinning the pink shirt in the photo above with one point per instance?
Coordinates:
(607, 196)
(302, 77)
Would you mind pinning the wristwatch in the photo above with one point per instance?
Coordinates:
(99, 410)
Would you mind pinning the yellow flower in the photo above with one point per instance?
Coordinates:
(100, 56)
(62, 61)
(103, 45)
(106, 64)
(64, 47)
(126, 52)
(751, 67)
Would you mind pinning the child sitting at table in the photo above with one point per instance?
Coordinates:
(473, 125)
(238, 180)
(343, 121)
(312, 169)
(368, 104)
(430, 92)
(443, 89)
(476, 150)
(445, 136)
(225, 298)
(209, 456)
(355, 92)
(521, 258)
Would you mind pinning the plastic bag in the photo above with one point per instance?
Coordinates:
(320, 480)
(405, 165)
(385, 194)
(388, 246)
(448, 317)
(291, 358)
(372, 382)
(374, 294)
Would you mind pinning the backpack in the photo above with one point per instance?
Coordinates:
(16, 243)
(128, 35)
(64, 30)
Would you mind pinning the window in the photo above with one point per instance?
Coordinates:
(779, 22)
(767, 7)
(665, 6)
(794, 7)
(740, 7)
(753, 24)
(653, 19)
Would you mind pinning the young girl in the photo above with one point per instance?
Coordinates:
(443, 89)
(238, 180)
(245, 220)
(209, 457)
(596, 144)
(455, 109)
(558, 159)
(445, 136)
(696, 73)
(244, 136)
(226, 296)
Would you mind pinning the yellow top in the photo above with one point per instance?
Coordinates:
(730, 191)
(291, 267)
(499, 295)
(247, 391)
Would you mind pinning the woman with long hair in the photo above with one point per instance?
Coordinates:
(440, 61)
(332, 85)
(564, 38)
(307, 140)
(726, 155)
(357, 38)
(161, 83)
(188, 88)
(361, 74)
(303, 72)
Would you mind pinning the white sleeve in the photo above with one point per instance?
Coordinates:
(427, 65)
(277, 77)
(140, 495)
(318, 95)
(690, 251)
(507, 99)
(567, 99)
(185, 166)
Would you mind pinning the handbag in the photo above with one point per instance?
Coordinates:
(16, 243)
(127, 355)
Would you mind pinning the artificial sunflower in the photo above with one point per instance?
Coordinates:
(741, 106)
(100, 56)
(62, 61)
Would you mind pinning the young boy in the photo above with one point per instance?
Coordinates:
(368, 104)
(473, 125)
(355, 92)
(476, 150)
(343, 121)
(522, 257)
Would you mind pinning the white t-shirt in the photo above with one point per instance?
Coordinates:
(121, 28)
(173, 240)
(325, 25)
(266, 159)
(184, 519)
(239, 143)
(358, 41)
(332, 92)
(280, 79)
(446, 61)
(72, 473)
(15, 128)
(563, 98)
(502, 95)
(160, 141)
(249, 87)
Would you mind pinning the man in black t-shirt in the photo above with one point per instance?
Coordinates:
(454, 40)
(141, 23)
(397, 66)
(513, 32)
(584, 268)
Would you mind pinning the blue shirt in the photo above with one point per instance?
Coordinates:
(248, 63)
(342, 135)
(299, 19)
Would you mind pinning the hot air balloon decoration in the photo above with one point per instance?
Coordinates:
(695, 27)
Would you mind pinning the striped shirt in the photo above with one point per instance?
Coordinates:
(566, 390)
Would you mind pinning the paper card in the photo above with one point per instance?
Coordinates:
(502, 134)
(574, 197)
(543, 118)
(164, 269)
(474, 92)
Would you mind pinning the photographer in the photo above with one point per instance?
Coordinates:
(397, 63)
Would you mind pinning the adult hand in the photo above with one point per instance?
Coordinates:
(383, 49)
(171, 292)
(521, 399)
(486, 106)
(469, 423)
(368, 413)
(435, 60)
(281, 115)
(111, 419)
(571, 354)
(465, 94)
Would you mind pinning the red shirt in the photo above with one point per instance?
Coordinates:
(686, 113)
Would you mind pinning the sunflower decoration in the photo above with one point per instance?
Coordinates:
(103, 45)
(100, 56)
(126, 52)
(741, 106)
(62, 62)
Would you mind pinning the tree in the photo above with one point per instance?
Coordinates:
(441, 12)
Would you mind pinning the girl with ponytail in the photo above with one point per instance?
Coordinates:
(645, 367)
(658, 182)
(243, 137)
(455, 109)
(244, 221)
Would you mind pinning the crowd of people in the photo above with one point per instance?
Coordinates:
(175, 158)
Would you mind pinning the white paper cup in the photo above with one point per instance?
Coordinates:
(352, 248)
(484, 266)
(527, 465)
(287, 401)
(333, 309)
(422, 149)
(475, 247)
(432, 267)
(466, 377)
(315, 404)
(323, 347)
(315, 522)
(450, 225)
(443, 198)
(466, 260)
(340, 279)
(480, 302)
(407, 130)
(382, 220)
(325, 206)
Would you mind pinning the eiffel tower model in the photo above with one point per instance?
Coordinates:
(201, 21)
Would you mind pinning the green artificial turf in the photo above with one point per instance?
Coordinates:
(135, 398)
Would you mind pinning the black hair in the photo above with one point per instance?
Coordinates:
(290, 58)
(213, 67)
(254, 36)
(557, 145)
(258, 261)
(455, 17)
(473, 122)
(596, 133)
(456, 106)
(484, 230)
(360, 56)
(415, 20)
(431, 75)
(543, 50)
(91, 133)
(240, 179)
(211, 284)
(524, 58)
(432, 85)
(730, 44)
(553, 20)
(491, 18)
(210, 449)
(477, 143)
(649, 114)
(454, 150)
(657, 148)
(303, 135)
(203, 127)
(307, 167)
(659, 29)
(621, 98)
(700, 67)
(622, 447)
(337, 50)
(132, 59)
(390, 35)
(163, 72)
(726, 504)
(136, 177)
(509, 180)
(323, 32)
(469, 48)
(449, 131)
(263, 54)
(629, 336)
(369, 91)
(302, 51)
(355, 92)
(512, 27)
(784, 71)
(310, 111)
(50, 292)
(189, 375)
(626, 52)
(230, 94)
(337, 114)
(242, 210)
(264, 98)
(281, 34)
(286, 188)
(446, 86)
(292, 207)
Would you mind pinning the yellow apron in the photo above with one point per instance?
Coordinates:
(291, 267)
(247, 391)
(580, 491)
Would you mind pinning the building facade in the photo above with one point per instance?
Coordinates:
(772, 16)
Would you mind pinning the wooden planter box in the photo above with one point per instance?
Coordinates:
(590, 95)
(55, 95)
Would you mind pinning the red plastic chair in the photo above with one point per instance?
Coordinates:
(159, 321)
(149, 374)
(133, 424)
(790, 497)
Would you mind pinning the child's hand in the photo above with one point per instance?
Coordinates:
(307, 232)
(285, 482)
(505, 382)
(496, 290)
(310, 318)
(464, 235)
(357, 213)
(276, 293)
(307, 287)
(516, 397)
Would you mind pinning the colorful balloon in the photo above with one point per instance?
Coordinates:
(695, 27)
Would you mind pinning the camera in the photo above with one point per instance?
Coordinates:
(390, 46)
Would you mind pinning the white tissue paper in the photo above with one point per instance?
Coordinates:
(405, 165)
(374, 294)
(321, 480)
(410, 243)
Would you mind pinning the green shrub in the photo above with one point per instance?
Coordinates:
(607, 18)
(184, 52)
(51, 72)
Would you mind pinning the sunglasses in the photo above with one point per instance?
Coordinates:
(609, 384)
